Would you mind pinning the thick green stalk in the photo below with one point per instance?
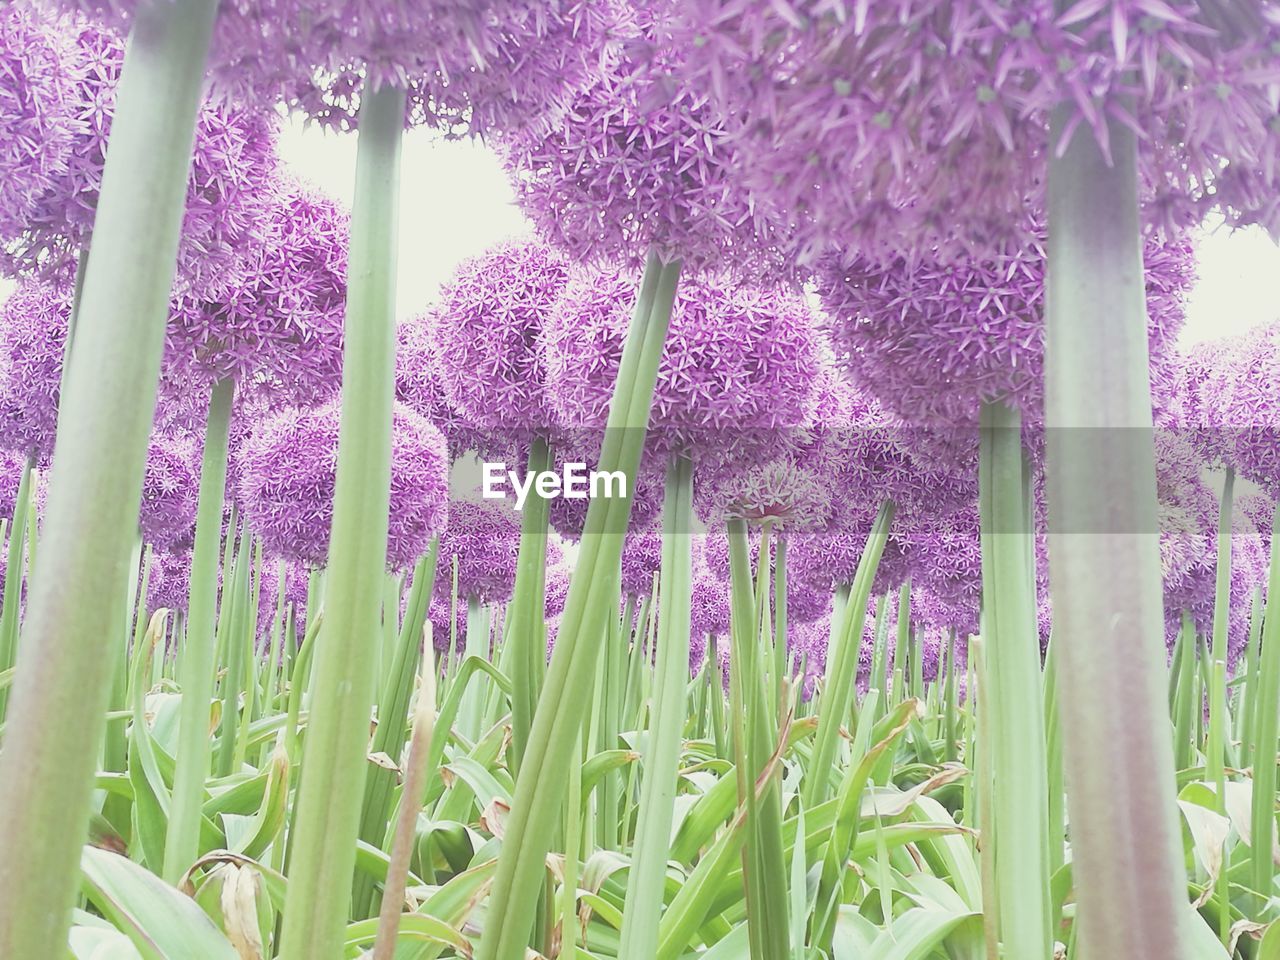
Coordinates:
(838, 683)
(1105, 562)
(62, 684)
(332, 786)
(1013, 692)
(199, 652)
(535, 811)
(1266, 727)
(527, 603)
(643, 907)
(1218, 720)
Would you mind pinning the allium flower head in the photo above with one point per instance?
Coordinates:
(710, 609)
(933, 339)
(1231, 407)
(484, 536)
(781, 491)
(641, 560)
(485, 332)
(278, 332)
(169, 581)
(923, 123)
(287, 471)
(230, 183)
(737, 372)
(638, 165)
(569, 516)
(167, 516)
(39, 123)
(11, 467)
(33, 333)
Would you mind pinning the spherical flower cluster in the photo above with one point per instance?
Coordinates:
(781, 491)
(485, 332)
(737, 372)
(640, 165)
(934, 339)
(709, 613)
(11, 467)
(484, 539)
(33, 333)
(807, 644)
(169, 581)
(277, 332)
(38, 120)
(230, 183)
(287, 472)
(926, 122)
(167, 516)
(641, 560)
(568, 516)
(1231, 403)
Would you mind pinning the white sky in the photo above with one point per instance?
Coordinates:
(455, 202)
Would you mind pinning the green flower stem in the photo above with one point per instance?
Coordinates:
(198, 665)
(527, 604)
(1266, 728)
(535, 811)
(1215, 771)
(63, 681)
(643, 907)
(332, 786)
(839, 681)
(9, 608)
(1245, 705)
(780, 666)
(1013, 693)
(1105, 564)
(389, 737)
(471, 716)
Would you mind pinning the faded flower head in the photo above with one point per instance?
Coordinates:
(287, 472)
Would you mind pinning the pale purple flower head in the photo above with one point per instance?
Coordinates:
(557, 592)
(876, 126)
(169, 581)
(933, 339)
(167, 515)
(784, 491)
(640, 165)
(287, 471)
(278, 332)
(641, 560)
(484, 536)
(33, 333)
(737, 372)
(569, 516)
(39, 122)
(11, 467)
(229, 189)
(710, 609)
(485, 332)
(807, 644)
(1231, 407)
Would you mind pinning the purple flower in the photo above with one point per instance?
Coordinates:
(639, 164)
(781, 491)
(277, 332)
(167, 516)
(287, 470)
(641, 560)
(169, 581)
(484, 333)
(710, 608)
(484, 536)
(874, 126)
(229, 188)
(933, 339)
(737, 372)
(33, 333)
(39, 122)
(568, 516)
(11, 467)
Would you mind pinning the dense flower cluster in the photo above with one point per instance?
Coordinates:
(485, 330)
(641, 559)
(231, 180)
(640, 165)
(33, 335)
(287, 470)
(927, 121)
(737, 372)
(933, 339)
(483, 538)
(277, 332)
(167, 516)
